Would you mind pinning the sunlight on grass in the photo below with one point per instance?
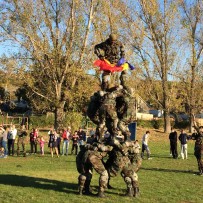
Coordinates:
(45, 179)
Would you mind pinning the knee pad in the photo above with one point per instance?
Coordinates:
(128, 180)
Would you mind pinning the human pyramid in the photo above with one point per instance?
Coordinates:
(112, 109)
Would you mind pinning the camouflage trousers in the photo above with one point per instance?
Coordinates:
(21, 142)
(95, 162)
(131, 179)
(99, 167)
(199, 157)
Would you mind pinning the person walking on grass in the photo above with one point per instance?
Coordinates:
(145, 147)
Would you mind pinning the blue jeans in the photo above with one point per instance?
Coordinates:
(4, 145)
(80, 142)
(65, 147)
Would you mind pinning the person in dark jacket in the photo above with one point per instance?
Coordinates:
(173, 137)
(183, 137)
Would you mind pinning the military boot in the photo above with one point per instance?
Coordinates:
(80, 190)
(101, 194)
(136, 191)
(87, 189)
(129, 192)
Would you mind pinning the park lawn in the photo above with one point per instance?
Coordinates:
(45, 179)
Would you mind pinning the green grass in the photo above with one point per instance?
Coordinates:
(45, 179)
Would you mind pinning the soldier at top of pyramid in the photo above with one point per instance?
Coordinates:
(113, 51)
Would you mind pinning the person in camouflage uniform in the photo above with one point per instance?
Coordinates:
(129, 172)
(21, 140)
(108, 112)
(126, 106)
(125, 157)
(126, 112)
(113, 51)
(88, 159)
(93, 111)
(198, 149)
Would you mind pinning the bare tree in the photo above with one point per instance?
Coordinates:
(52, 38)
(192, 21)
(154, 43)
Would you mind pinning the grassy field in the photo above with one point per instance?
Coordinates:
(45, 179)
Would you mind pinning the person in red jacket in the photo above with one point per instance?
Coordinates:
(66, 138)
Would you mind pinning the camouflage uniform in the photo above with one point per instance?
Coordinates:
(112, 50)
(92, 158)
(129, 172)
(126, 113)
(125, 158)
(93, 107)
(21, 141)
(108, 111)
(94, 110)
(198, 150)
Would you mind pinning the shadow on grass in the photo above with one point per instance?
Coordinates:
(167, 170)
(40, 183)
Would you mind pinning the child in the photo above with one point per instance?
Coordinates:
(41, 142)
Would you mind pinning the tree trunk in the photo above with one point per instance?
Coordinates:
(191, 122)
(59, 117)
(167, 122)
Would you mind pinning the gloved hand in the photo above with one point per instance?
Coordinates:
(120, 62)
(101, 57)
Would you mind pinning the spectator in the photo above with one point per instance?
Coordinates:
(75, 139)
(92, 139)
(36, 136)
(173, 137)
(11, 140)
(21, 140)
(1, 134)
(82, 136)
(52, 143)
(66, 138)
(183, 137)
(41, 143)
(58, 143)
(33, 141)
(4, 141)
(145, 140)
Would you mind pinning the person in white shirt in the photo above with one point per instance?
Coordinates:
(145, 146)
(11, 139)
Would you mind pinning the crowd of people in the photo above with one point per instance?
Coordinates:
(16, 141)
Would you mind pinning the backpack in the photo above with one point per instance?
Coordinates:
(10, 135)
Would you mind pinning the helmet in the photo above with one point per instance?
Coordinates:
(112, 37)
